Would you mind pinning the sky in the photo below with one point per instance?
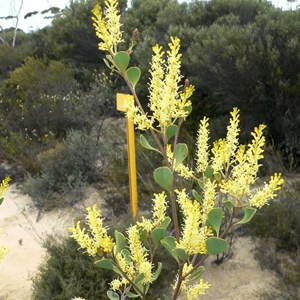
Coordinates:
(37, 21)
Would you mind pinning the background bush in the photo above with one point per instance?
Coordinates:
(67, 272)
(64, 170)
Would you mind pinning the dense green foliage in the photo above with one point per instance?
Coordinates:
(68, 273)
(241, 53)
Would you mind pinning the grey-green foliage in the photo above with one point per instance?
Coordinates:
(241, 53)
(67, 273)
(64, 170)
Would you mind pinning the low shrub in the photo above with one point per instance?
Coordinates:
(64, 170)
(67, 273)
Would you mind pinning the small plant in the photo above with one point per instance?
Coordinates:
(223, 178)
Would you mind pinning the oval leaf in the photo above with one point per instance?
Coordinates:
(121, 60)
(158, 234)
(181, 152)
(215, 219)
(169, 242)
(180, 253)
(112, 295)
(164, 177)
(120, 241)
(196, 274)
(209, 172)
(133, 74)
(157, 272)
(105, 263)
(216, 245)
(197, 196)
(144, 142)
(171, 131)
(229, 205)
(249, 212)
(165, 222)
(132, 295)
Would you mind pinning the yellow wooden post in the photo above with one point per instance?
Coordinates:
(131, 156)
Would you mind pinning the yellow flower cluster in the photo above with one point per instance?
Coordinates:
(261, 197)
(193, 236)
(96, 241)
(108, 27)
(209, 198)
(159, 213)
(3, 252)
(224, 149)
(202, 153)
(133, 113)
(245, 167)
(166, 102)
(139, 254)
(4, 186)
(192, 291)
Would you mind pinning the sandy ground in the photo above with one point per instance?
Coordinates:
(239, 278)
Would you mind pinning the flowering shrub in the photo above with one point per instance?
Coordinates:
(3, 188)
(224, 178)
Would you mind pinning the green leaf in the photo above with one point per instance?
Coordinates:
(209, 172)
(143, 234)
(112, 295)
(201, 184)
(188, 109)
(157, 272)
(229, 205)
(181, 152)
(133, 74)
(107, 264)
(216, 245)
(165, 222)
(121, 60)
(169, 242)
(107, 63)
(158, 234)
(132, 295)
(171, 131)
(197, 273)
(137, 283)
(197, 196)
(144, 142)
(215, 219)
(180, 253)
(164, 177)
(1, 200)
(126, 254)
(249, 212)
(218, 176)
(120, 241)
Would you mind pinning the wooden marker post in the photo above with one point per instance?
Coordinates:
(131, 156)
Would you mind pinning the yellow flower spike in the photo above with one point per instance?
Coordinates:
(4, 186)
(209, 199)
(108, 27)
(202, 146)
(139, 254)
(3, 252)
(218, 155)
(268, 192)
(232, 135)
(98, 241)
(159, 208)
(195, 290)
(193, 238)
